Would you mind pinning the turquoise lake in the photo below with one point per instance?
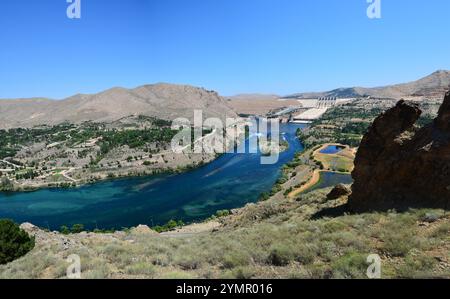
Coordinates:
(231, 181)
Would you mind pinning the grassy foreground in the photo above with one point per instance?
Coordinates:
(272, 239)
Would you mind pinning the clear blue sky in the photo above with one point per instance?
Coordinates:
(232, 46)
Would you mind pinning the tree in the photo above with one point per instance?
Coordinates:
(14, 241)
(6, 184)
(64, 230)
(77, 228)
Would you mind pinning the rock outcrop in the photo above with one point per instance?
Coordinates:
(399, 166)
(338, 192)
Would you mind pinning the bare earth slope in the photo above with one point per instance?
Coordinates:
(433, 85)
(165, 101)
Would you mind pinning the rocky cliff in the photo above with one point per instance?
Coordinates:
(399, 166)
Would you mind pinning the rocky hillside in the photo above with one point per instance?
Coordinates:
(433, 85)
(399, 166)
(164, 101)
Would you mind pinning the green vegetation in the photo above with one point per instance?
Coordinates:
(135, 138)
(14, 242)
(222, 213)
(344, 124)
(11, 140)
(6, 185)
(171, 225)
(159, 131)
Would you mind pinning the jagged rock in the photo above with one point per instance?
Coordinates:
(430, 218)
(338, 192)
(398, 166)
(29, 228)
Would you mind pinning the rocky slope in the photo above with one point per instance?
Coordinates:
(164, 101)
(430, 86)
(399, 166)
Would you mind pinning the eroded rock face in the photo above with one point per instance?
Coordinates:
(338, 192)
(400, 167)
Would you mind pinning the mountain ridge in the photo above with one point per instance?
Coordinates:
(161, 100)
(433, 85)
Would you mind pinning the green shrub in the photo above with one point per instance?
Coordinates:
(236, 259)
(64, 230)
(400, 243)
(145, 269)
(441, 231)
(222, 213)
(264, 196)
(352, 265)
(77, 228)
(417, 264)
(169, 226)
(14, 242)
(281, 255)
(6, 184)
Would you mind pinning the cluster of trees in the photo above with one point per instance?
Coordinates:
(338, 125)
(135, 138)
(171, 225)
(6, 185)
(28, 175)
(75, 229)
(14, 242)
(356, 128)
(12, 139)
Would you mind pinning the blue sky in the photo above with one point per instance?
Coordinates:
(232, 46)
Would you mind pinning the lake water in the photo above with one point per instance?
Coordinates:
(231, 181)
(332, 149)
(330, 179)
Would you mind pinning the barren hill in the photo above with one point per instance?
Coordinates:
(165, 101)
(433, 85)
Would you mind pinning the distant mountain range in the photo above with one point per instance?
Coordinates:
(169, 101)
(433, 85)
(164, 101)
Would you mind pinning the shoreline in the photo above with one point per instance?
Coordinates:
(315, 179)
(160, 172)
(83, 183)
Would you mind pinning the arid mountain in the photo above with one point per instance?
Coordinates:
(433, 85)
(165, 101)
